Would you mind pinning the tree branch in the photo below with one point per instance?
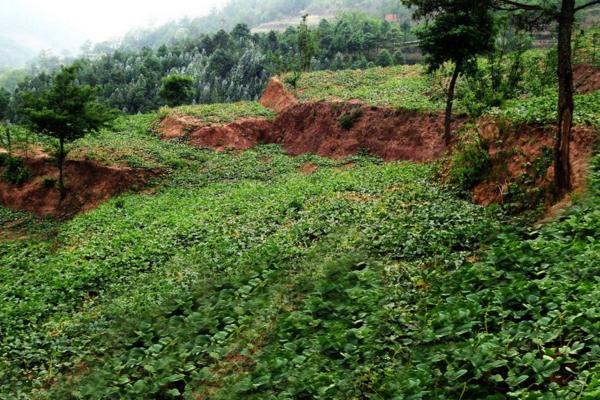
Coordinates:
(591, 3)
(523, 6)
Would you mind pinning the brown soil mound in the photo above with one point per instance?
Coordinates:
(178, 126)
(515, 150)
(88, 183)
(390, 134)
(276, 97)
(586, 78)
(239, 135)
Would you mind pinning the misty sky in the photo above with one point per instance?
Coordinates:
(67, 23)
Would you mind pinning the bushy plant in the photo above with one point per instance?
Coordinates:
(15, 171)
(293, 78)
(469, 164)
(348, 119)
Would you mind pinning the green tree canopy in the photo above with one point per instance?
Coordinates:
(177, 89)
(384, 58)
(455, 31)
(4, 103)
(65, 110)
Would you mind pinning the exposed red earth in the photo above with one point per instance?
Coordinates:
(276, 97)
(239, 135)
(387, 133)
(586, 78)
(513, 150)
(390, 134)
(316, 128)
(88, 183)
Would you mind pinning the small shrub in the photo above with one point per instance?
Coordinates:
(3, 158)
(469, 166)
(49, 182)
(15, 171)
(348, 120)
(293, 79)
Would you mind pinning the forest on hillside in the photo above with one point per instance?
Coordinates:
(226, 66)
(251, 13)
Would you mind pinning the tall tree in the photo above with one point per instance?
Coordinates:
(561, 12)
(66, 111)
(456, 31)
(5, 139)
(306, 44)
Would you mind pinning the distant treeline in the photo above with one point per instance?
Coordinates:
(228, 66)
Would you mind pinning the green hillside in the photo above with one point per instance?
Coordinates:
(249, 275)
(170, 270)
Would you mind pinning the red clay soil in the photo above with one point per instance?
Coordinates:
(514, 149)
(239, 135)
(586, 78)
(387, 133)
(315, 128)
(88, 183)
(276, 97)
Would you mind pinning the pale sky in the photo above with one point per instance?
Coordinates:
(44, 23)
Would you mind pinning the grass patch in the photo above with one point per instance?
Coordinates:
(403, 87)
(221, 113)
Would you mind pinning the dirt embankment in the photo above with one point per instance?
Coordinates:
(89, 184)
(338, 130)
(334, 130)
(523, 154)
(276, 97)
(586, 78)
(341, 129)
(239, 135)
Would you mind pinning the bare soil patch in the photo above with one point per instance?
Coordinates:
(586, 78)
(515, 150)
(88, 183)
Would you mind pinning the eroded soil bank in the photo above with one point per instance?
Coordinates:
(88, 183)
(586, 78)
(341, 129)
(334, 130)
(523, 154)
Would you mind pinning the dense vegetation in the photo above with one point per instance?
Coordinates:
(256, 275)
(238, 276)
(225, 66)
(252, 223)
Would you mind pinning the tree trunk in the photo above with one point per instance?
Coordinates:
(61, 169)
(8, 140)
(562, 166)
(450, 103)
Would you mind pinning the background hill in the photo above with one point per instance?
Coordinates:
(257, 14)
(13, 53)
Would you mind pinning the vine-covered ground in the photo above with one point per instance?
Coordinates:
(257, 275)
(251, 275)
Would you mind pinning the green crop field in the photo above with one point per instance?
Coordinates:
(196, 274)
(238, 276)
